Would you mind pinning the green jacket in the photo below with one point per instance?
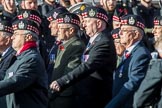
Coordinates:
(68, 57)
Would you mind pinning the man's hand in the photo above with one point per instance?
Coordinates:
(55, 86)
(9, 5)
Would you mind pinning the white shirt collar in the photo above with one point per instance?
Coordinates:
(132, 47)
(93, 38)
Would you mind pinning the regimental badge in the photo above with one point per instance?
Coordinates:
(131, 21)
(55, 14)
(160, 22)
(21, 25)
(66, 19)
(82, 7)
(25, 15)
(1, 26)
(91, 13)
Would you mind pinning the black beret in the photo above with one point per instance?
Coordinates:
(158, 20)
(118, 13)
(95, 12)
(69, 18)
(115, 33)
(133, 20)
(32, 15)
(25, 25)
(52, 15)
(5, 24)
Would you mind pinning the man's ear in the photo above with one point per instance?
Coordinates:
(8, 40)
(99, 23)
(72, 30)
(137, 35)
(28, 37)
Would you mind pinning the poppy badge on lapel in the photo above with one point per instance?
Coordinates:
(61, 47)
(127, 55)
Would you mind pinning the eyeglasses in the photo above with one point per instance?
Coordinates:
(65, 28)
(19, 34)
(126, 31)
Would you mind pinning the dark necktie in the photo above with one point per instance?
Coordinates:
(88, 45)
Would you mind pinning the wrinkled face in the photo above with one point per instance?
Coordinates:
(157, 31)
(63, 31)
(108, 5)
(54, 27)
(119, 47)
(3, 41)
(126, 34)
(116, 24)
(18, 39)
(90, 26)
(29, 4)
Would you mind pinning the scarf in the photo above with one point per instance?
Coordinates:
(26, 46)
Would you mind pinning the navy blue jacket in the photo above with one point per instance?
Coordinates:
(133, 69)
(5, 61)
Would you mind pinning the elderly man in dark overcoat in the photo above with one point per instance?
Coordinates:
(94, 74)
(25, 82)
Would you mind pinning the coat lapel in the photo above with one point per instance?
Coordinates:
(64, 46)
(134, 49)
(10, 51)
(93, 43)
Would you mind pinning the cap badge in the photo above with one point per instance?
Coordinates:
(55, 14)
(131, 21)
(66, 19)
(1, 26)
(25, 14)
(21, 25)
(82, 7)
(92, 13)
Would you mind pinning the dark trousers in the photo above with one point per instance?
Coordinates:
(3, 102)
(63, 102)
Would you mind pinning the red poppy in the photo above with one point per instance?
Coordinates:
(61, 47)
(127, 55)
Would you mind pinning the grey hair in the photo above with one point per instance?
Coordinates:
(74, 26)
(140, 31)
(35, 36)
